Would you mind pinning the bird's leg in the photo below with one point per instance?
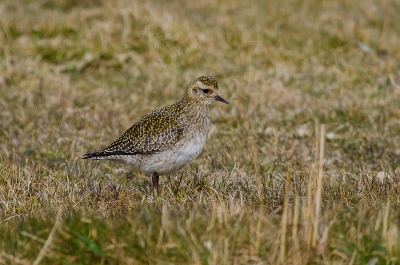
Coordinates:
(154, 179)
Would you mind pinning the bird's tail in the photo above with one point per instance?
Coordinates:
(96, 155)
(105, 155)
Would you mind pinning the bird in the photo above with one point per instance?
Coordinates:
(167, 139)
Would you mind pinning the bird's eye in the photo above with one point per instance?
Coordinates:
(206, 91)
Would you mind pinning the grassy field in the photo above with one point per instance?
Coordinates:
(302, 167)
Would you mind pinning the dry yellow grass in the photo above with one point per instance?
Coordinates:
(300, 168)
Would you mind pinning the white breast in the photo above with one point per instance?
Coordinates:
(171, 160)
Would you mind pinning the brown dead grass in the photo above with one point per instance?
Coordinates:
(75, 74)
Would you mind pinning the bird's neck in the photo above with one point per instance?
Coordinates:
(194, 102)
(195, 110)
(197, 118)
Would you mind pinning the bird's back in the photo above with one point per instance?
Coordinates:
(155, 132)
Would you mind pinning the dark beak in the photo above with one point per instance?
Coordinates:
(219, 98)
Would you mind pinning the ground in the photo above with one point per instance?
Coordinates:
(302, 167)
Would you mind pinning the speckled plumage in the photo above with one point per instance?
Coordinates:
(167, 139)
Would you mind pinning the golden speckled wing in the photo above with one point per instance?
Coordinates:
(155, 132)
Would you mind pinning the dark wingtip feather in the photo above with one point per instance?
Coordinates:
(89, 155)
(97, 155)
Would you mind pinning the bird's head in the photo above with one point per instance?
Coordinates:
(204, 90)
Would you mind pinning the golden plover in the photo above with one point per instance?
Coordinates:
(167, 139)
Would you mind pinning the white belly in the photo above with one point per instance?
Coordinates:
(171, 160)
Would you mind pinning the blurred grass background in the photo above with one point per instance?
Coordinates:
(301, 168)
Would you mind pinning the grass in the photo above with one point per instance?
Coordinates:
(301, 168)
